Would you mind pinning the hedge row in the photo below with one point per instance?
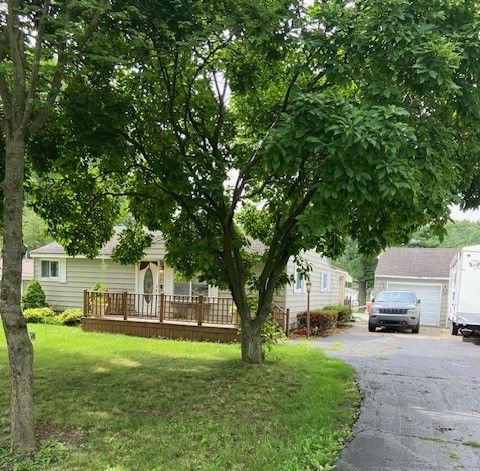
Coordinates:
(326, 318)
(343, 311)
(44, 315)
(319, 319)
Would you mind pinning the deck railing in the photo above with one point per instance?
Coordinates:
(199, 310)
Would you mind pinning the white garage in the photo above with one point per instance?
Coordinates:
(430, 299)
(422, 270)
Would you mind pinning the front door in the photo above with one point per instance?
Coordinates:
(148, 287)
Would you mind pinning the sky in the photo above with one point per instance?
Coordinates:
(472, 214)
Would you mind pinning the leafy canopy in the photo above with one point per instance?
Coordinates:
(457, 234)
(299, 128)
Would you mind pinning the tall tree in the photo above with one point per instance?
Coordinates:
(261, 120)
(361, 266)
(456, 234)
(34, 230)
(38, 41)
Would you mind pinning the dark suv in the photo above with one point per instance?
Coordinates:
(395, 309)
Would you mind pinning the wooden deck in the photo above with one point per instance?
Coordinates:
(167, 329)
(186, 317)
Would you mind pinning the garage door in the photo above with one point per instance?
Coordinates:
(430, 300)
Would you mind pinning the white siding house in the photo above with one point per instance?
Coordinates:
(64, 278)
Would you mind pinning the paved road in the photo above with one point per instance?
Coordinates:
(421, 402)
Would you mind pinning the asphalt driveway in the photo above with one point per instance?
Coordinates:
(421, 400)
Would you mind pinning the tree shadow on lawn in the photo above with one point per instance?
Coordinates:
(129, 408)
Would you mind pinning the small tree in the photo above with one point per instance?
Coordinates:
(33, 296)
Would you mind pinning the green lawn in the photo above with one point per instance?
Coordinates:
(111, 402)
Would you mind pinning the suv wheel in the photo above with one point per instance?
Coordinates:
(371, 327)
(416, 329)
(454, 328)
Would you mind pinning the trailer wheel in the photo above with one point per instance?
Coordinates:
(371, 327)
(454, 328)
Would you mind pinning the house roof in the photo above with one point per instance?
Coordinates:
(256, 245)
(415, 262)
(54, 248)
(27, 268)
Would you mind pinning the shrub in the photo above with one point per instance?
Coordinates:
(33, 296)
(271, 333)
(98, 286)
(343, 311)
(70, 317)
(40, 315)
(320, 319)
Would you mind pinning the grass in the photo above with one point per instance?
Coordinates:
(117, 403)
(472, 443)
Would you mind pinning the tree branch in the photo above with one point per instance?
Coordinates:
(16, 43)
(56, 83)
(33, 82)
(280, 237)
(7, 102)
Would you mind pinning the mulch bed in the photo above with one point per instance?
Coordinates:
(302, 333)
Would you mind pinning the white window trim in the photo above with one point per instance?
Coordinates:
(297, 290)
(50, 278)
(327, 286)
(210, 293)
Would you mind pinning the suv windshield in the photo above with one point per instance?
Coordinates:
(396, 297)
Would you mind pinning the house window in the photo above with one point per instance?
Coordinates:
(199, 288)
(299, 283)
(190, 287)
(326, 282)
(49, 269)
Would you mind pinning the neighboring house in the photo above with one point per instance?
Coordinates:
(351, 293)
(425, 271)
(64, 278)
(27, 272)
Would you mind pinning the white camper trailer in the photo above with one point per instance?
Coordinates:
(464, 291)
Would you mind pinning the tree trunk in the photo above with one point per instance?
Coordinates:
(362, 293)
(20, 350)
(252, 350)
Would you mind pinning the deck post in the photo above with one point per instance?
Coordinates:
(125, 305)
(287, 320)
(200, 310)
(162, 306)
(85, 303)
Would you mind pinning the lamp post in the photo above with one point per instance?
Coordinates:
(309, 288)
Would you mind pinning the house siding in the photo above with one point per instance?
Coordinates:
(297, 302)
(278, 297)
(287, 298)
(381, 284)
(156, 251)
(81, 274)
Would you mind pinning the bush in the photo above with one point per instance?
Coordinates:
(343, 311)
(33, 296)
(320, 319)
(70, 317)
(39, 315)
(98, 286)
(271, 333)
